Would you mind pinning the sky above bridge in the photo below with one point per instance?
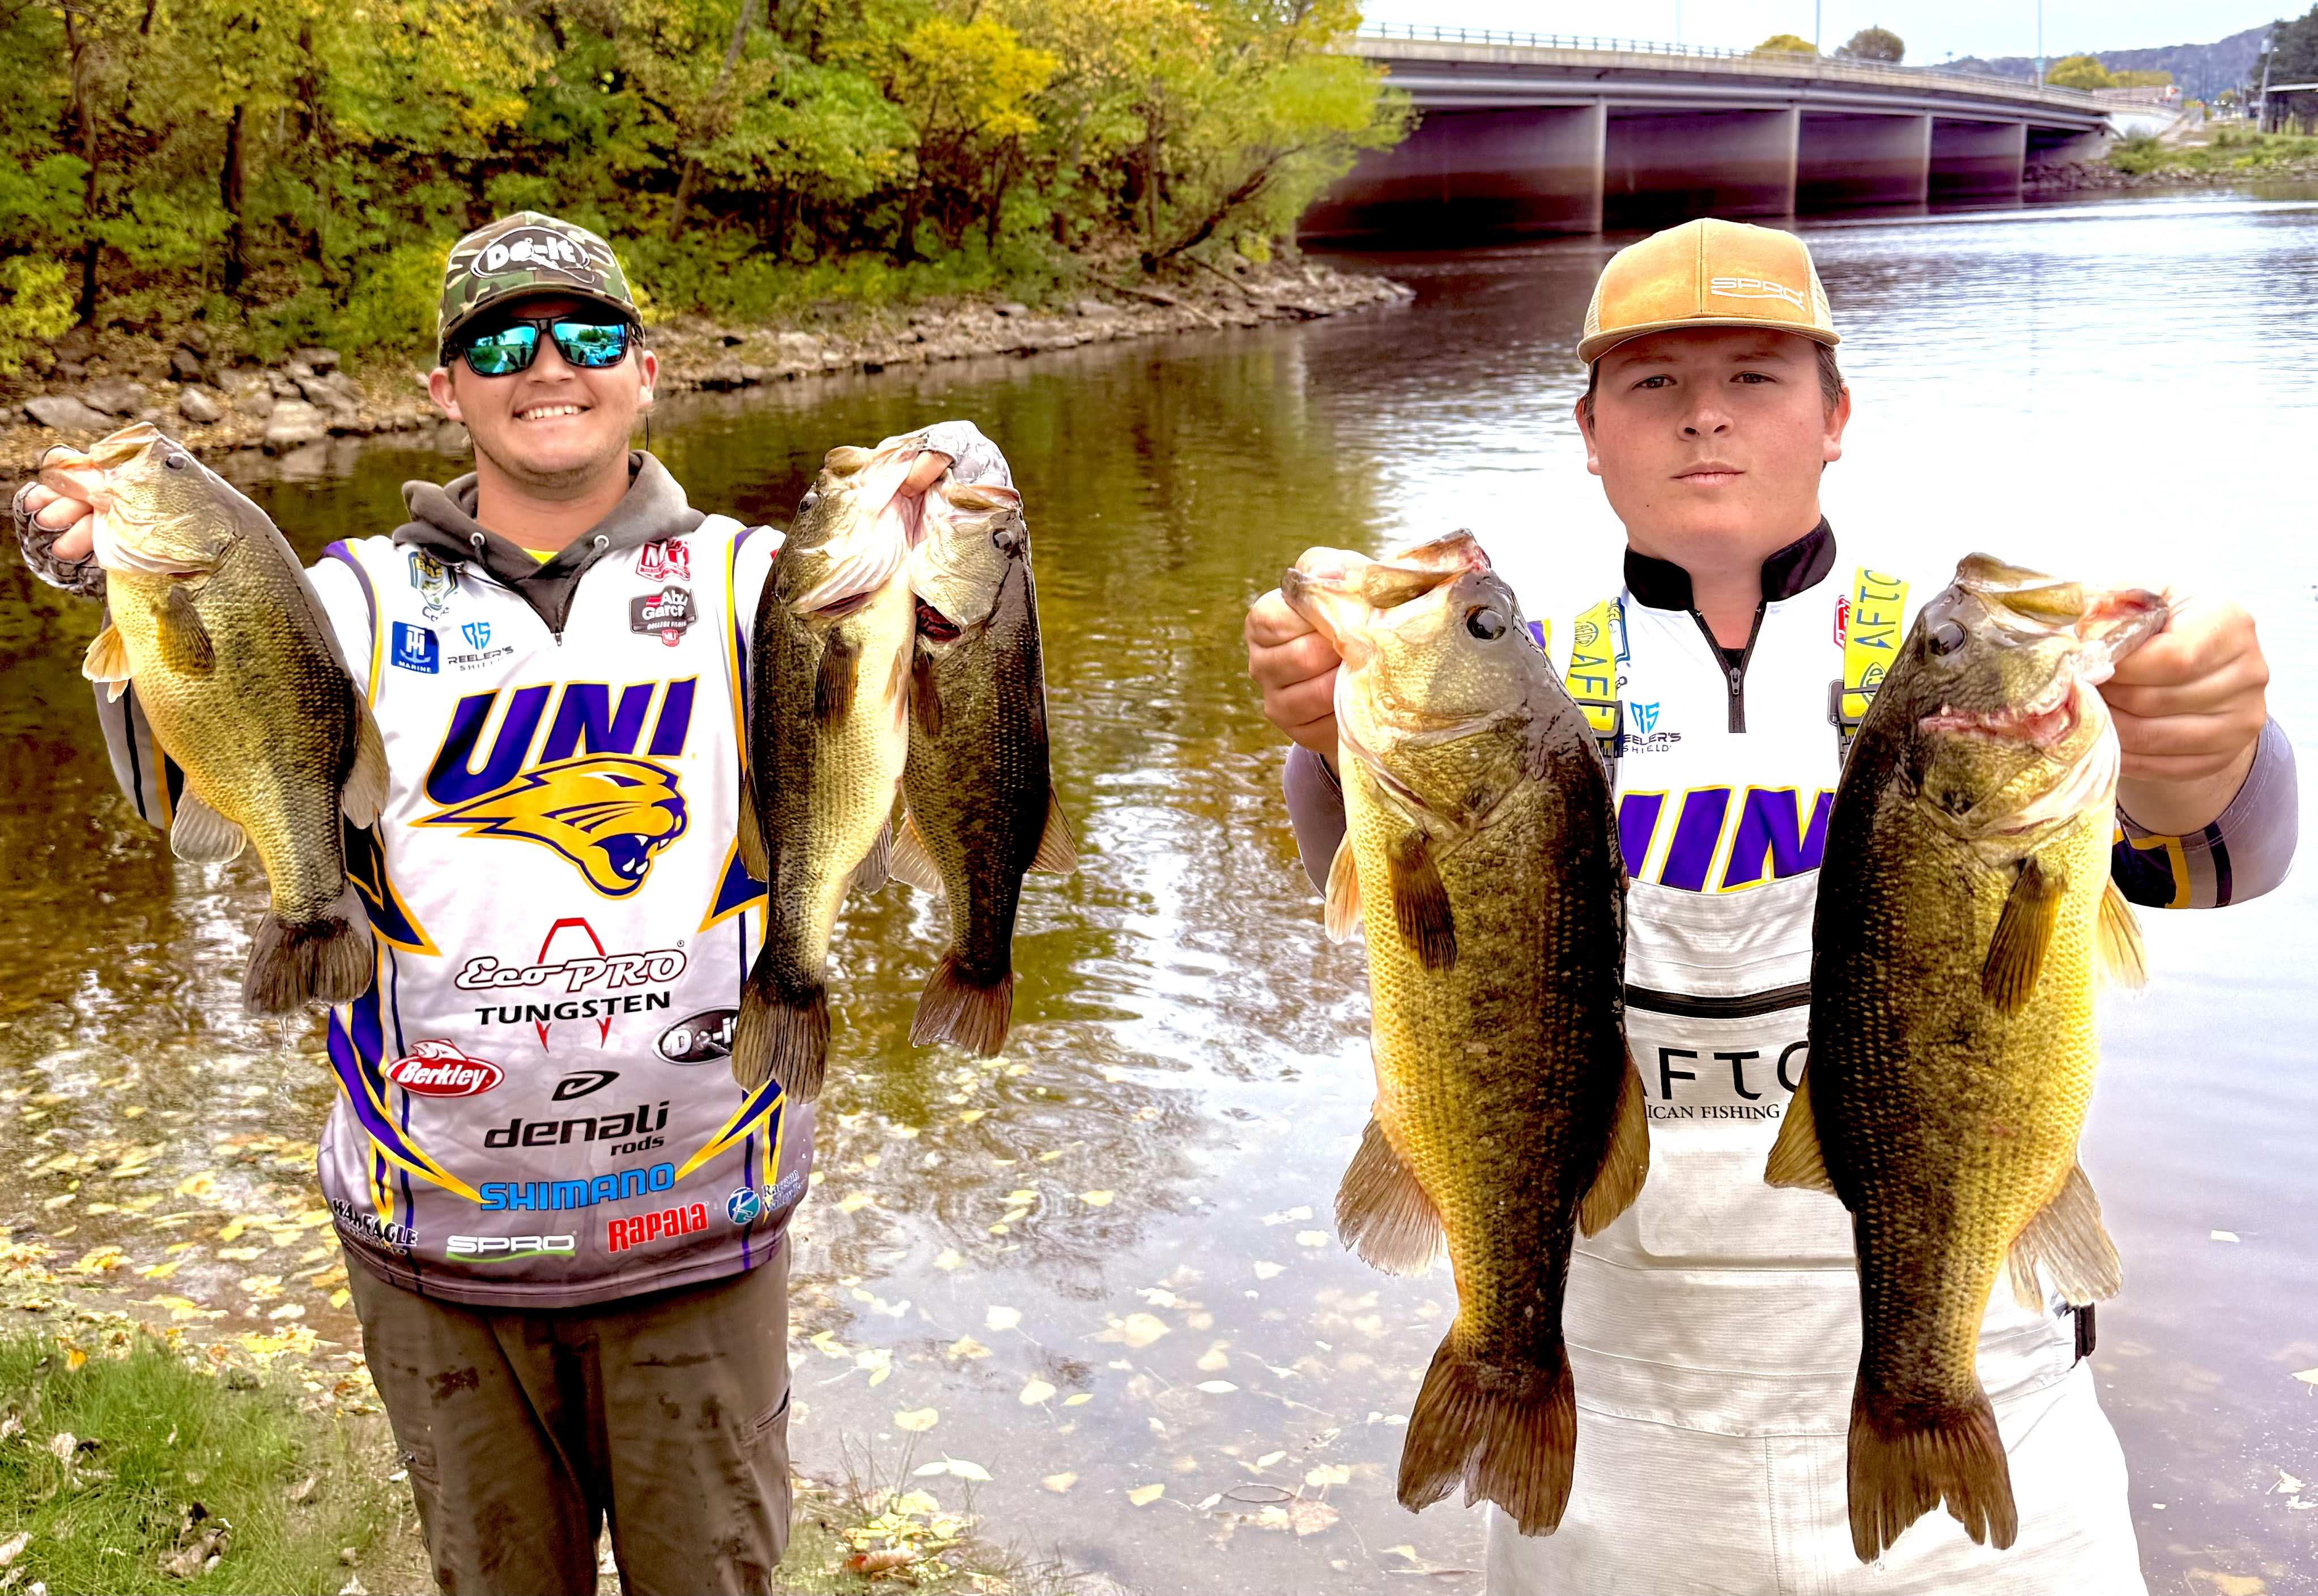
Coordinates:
(1933, 30)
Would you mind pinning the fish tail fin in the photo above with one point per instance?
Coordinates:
(294, 962)
(1510, 1435)
(1905, 1461)
(781, 1035)
(956, 1007)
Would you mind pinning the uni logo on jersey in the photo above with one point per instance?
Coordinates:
(1757, 835)
(588, 795)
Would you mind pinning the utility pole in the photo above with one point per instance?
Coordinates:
(2040, 43)
(1817, 8)
(2261, 100)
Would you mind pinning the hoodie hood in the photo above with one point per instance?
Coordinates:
(443, 523)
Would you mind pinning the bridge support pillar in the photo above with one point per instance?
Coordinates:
(1663, 167)
(1472, 176)
(1977, 160)
(1846, 162)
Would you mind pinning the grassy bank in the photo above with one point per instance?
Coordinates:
(2228, 152)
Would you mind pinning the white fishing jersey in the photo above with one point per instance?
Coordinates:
(535, 1105)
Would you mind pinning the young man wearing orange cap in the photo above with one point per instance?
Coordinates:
(565, 1223)
(1714, 1328)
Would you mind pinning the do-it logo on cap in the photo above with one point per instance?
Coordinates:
(536, 248)
(1754, 288)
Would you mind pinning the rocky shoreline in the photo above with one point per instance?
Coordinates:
(2100, 177)
(92, 382)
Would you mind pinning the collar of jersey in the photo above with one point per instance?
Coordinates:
(1662, 585)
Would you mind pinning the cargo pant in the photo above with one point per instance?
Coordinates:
(525, 1429)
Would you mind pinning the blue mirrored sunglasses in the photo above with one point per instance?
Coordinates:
(508, 349)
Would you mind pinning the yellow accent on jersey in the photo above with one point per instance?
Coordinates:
(1597, 642)
(1870, 639)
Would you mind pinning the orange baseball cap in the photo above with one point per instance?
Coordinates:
(1707, 272)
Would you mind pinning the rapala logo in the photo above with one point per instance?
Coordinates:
(681, 1221)
(1754, 288)
(658, 561)
(700, 1039)
(668, 612)
(508, 1249)
(439, 1070)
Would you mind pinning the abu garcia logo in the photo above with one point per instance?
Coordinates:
(608, 811)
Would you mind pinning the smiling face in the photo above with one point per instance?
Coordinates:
(1709, 441)
(552, 430)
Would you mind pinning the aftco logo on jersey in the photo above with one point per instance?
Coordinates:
(416, 648)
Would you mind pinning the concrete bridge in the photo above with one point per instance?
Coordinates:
(1524, 136)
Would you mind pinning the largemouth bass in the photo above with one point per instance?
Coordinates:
(982, 808)
(828, 695)
(1481, 851)
(211, 620)
(1963, 904)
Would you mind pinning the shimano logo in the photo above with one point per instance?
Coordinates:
(483, 973)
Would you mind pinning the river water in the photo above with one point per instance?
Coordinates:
(1103, 1265)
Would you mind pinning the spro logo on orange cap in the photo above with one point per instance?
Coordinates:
(1690, 276)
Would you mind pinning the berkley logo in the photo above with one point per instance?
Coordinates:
(439, 1070)
(659, 560)
(668, 612)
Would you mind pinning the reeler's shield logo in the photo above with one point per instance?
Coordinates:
(479, 633)
(440, 1070)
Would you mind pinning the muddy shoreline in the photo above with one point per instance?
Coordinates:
(91, 382)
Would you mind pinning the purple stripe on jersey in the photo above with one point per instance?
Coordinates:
(454, 779)
(338, 551)
(675, 723)
(1638, 822)
(1695, 833)
(586, 718)
(1772, 838)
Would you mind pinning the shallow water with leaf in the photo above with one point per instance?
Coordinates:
(1093, 1288)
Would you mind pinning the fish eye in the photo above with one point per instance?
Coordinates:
(1485, 623)
(174, 462)
(807, 502)
(1008, 538)
(1945, 638)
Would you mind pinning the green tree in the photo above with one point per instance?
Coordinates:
(1873, 44)
(1785, 44)
(2080, 72)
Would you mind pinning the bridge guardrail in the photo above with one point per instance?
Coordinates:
(1784, 62)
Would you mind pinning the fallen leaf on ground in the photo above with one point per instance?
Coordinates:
(1034, 1392)
(1021, 1195)
(1059, 1482)
(1217, 1388)
(948, 1258)
(13, 1546)
(1328, 1474)
(1310, 1518)
(1136, 1330)
(1214, 1357)
(1311, 1238)
(1001, 1318)
(1145, 1495)
(2308, 1377)
(2225, 1236)
(884, 1562)
(1269, 1459)
(916, 1421)
(1097, 1199)
(1266, 1271)
(965, 1346)
(961, 1469)
(1077, 1398)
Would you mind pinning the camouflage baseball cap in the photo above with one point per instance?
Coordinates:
(528, 253)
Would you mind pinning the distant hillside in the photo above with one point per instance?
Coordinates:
(2203, 70)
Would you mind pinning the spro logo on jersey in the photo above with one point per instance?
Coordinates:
(439, 1070)
(1761, 837)
(508, 1249)
(588, 795)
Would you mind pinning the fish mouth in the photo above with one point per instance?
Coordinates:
(2045, 724)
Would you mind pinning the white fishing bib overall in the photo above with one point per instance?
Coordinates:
(1713, 1328)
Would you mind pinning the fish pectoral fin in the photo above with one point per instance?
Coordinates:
(749, 836)
(2024, 931)
(2119, 934)
(2068, 1238)
(1058, 855)
(1420, 902)
(1383, 1214)
(1341, 911)
(925, 692)
(834, 678)
(107, 660)
(363, 797)
(1627, 1164)
(911, 861)
(876, 865)
(1797, 1159)
(201, 836)
(185, 641)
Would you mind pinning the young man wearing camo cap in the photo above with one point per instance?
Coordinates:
(566, 1222)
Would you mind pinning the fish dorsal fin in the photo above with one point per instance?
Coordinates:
(185, 641)
(1627, 1164)
(1058, 855)
(2068, 1238)
(1341, 909)
(1797, 1159)
(1383, 1213)
(749, 835)
(876, 865)
(2024, 931)
(365, 794)
(2119, 934)
(107, 661)
(913, 861)
(201, 836)
(1420, 903)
